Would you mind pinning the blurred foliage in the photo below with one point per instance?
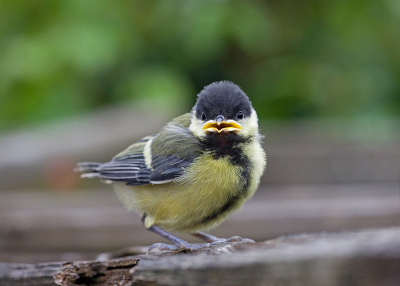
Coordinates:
(293, 58)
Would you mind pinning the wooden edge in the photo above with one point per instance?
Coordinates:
(369, 257)
(114, 272)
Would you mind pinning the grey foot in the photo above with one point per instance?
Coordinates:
(183, 247)
(235, 239)
(211, 238)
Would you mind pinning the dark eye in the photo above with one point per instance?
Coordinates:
(240, 115)
(203, 116)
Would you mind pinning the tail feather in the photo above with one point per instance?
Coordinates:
(90, 169)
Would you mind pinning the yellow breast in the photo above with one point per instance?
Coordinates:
(181, 205)
(205, 188)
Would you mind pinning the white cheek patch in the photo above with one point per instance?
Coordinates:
(196, 127)
(249, 125)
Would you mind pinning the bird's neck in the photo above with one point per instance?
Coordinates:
(225, 145)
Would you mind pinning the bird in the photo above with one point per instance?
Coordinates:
(195, 172)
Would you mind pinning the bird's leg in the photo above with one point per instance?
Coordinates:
(179, 243)
(182, 245)
(213, 239)
(162, 246)
(206, 237)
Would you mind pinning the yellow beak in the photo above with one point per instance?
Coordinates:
(224, 126)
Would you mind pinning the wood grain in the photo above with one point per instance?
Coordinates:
(369, 257)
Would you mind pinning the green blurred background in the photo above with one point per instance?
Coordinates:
(295, 59)
(80, 80)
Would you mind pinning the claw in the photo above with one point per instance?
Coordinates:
(238, 238)
(211, 238)
(234, 239)
(248, 240)
(184, 247)
(162, 247)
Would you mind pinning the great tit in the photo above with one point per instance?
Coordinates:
(200, 167)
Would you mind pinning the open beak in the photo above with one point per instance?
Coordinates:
(219, 126)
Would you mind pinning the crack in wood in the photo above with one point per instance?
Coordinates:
(118, 272)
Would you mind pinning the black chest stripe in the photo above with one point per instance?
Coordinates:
(226, 207)
(232, 201)
(229, 145)
(225, 145)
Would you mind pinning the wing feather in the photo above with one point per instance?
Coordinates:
(170, 154)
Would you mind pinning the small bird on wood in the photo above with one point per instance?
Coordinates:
(200, 167)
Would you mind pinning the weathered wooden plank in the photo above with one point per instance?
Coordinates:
(112, 272)
(368, 258)
(365, 258)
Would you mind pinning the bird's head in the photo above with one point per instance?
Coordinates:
(222, 108)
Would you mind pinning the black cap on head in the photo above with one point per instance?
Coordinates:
(222, 98)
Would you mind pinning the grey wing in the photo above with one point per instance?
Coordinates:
(131, 170)
(134, 172)
(167, 168)
(130, 166)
